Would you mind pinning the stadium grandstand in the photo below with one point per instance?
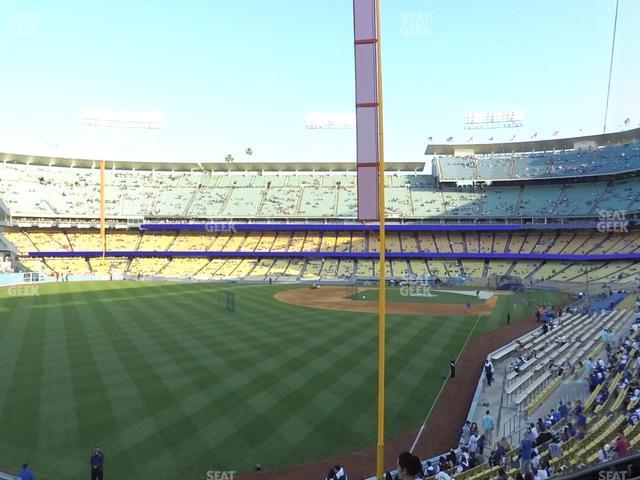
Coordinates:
(251, 224)
(247, 222)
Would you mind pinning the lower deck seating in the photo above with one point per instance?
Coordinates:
(23, 241)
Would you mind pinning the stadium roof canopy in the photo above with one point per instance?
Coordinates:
(535, 145)
(196, 167)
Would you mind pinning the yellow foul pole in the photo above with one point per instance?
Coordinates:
(103, 233)
(382, 306)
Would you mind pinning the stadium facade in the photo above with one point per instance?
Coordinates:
(560, 210)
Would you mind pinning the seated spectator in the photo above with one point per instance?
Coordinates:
(544, 437)
(634, 417)
(442, 475)
(535, 458)
(494, 460)
(501, 449)
(582, 421)
(340, 473)
(621, 445)
(502, 474)
(480, 450)
(605, 454)
(26, 473)
(409, 466)
(544, 469)
(431, 470)
(452, 458)
(463, 466)
(602, 396)
(555, 451)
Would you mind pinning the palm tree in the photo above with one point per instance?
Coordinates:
(228, 158)
(249, 152)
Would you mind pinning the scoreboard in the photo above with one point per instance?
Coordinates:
(479, 120)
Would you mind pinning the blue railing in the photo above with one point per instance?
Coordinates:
(346, 255)
(215, 227)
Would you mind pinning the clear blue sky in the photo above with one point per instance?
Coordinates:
(231, 74)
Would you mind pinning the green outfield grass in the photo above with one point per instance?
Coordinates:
(171, 385)
(398, 294)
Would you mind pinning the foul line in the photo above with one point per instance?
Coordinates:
(424, 424)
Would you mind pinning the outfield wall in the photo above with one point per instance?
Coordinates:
(12, 279)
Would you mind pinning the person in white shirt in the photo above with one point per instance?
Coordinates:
(340, 473)
(473, 443)
(541, 474)
(604, 453)
(442, 475)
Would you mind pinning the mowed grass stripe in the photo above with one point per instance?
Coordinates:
(416, 373)
(180, 420)
(15, 340)
(273, 383)
(25, 394)
(151, 388)
(190, 387)
(14, 328)
(57, 410)
(182, 378)
(120, 383)
(314, 395)
(93, 365)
